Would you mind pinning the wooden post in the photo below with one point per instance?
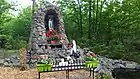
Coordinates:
(93, 73)
(38, 75)
(67, 74)
(90, 73)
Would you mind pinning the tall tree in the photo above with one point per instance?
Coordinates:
(80, 13)
(96, 21)
(89, 36)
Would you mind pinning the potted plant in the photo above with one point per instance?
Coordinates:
(44, 65)
(91, 60)
(49, 65)
(54, 39)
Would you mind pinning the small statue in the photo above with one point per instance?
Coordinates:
(50, 23)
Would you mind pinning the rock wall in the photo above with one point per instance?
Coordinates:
(39, 43)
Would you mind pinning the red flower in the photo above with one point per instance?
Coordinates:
(91, 55)
(34, 57)
(49, 33)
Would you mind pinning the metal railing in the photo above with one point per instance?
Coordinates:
(70, 67)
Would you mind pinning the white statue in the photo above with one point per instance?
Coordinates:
(74, 49)
(69, 59)
(74, 45)
(63, 63)
(50, 24)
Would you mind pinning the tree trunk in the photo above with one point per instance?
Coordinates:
(96, 22)
(30, 38)
(89, 35)
(100, 20)
(80, 13)
(93, 20)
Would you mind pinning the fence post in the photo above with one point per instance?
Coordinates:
(93, 73)
(90, 72)
(67, 74)
(38, 75)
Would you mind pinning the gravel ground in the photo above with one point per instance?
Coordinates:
(15, 73)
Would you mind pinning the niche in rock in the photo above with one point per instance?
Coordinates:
(51, 14)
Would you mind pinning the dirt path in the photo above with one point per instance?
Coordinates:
(15, 73)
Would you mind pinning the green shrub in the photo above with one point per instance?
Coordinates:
(15, 44)
(3, 40)
(108, 76)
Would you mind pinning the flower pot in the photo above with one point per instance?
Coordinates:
(44, 67)
(48, 67)
(41, 67)
(53, 42)
(91, 64)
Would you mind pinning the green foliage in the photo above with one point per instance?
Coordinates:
(108, 76)
(14, 33)
(8, 42)
(55, 37)
(19, 27)
(3, 40)
(4, 7)
(114, 26)
(15, 44)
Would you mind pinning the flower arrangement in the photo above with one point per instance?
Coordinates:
(91, 57)
(44, 61)
(55, 37)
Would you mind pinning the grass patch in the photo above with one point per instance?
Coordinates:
(6, 53)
